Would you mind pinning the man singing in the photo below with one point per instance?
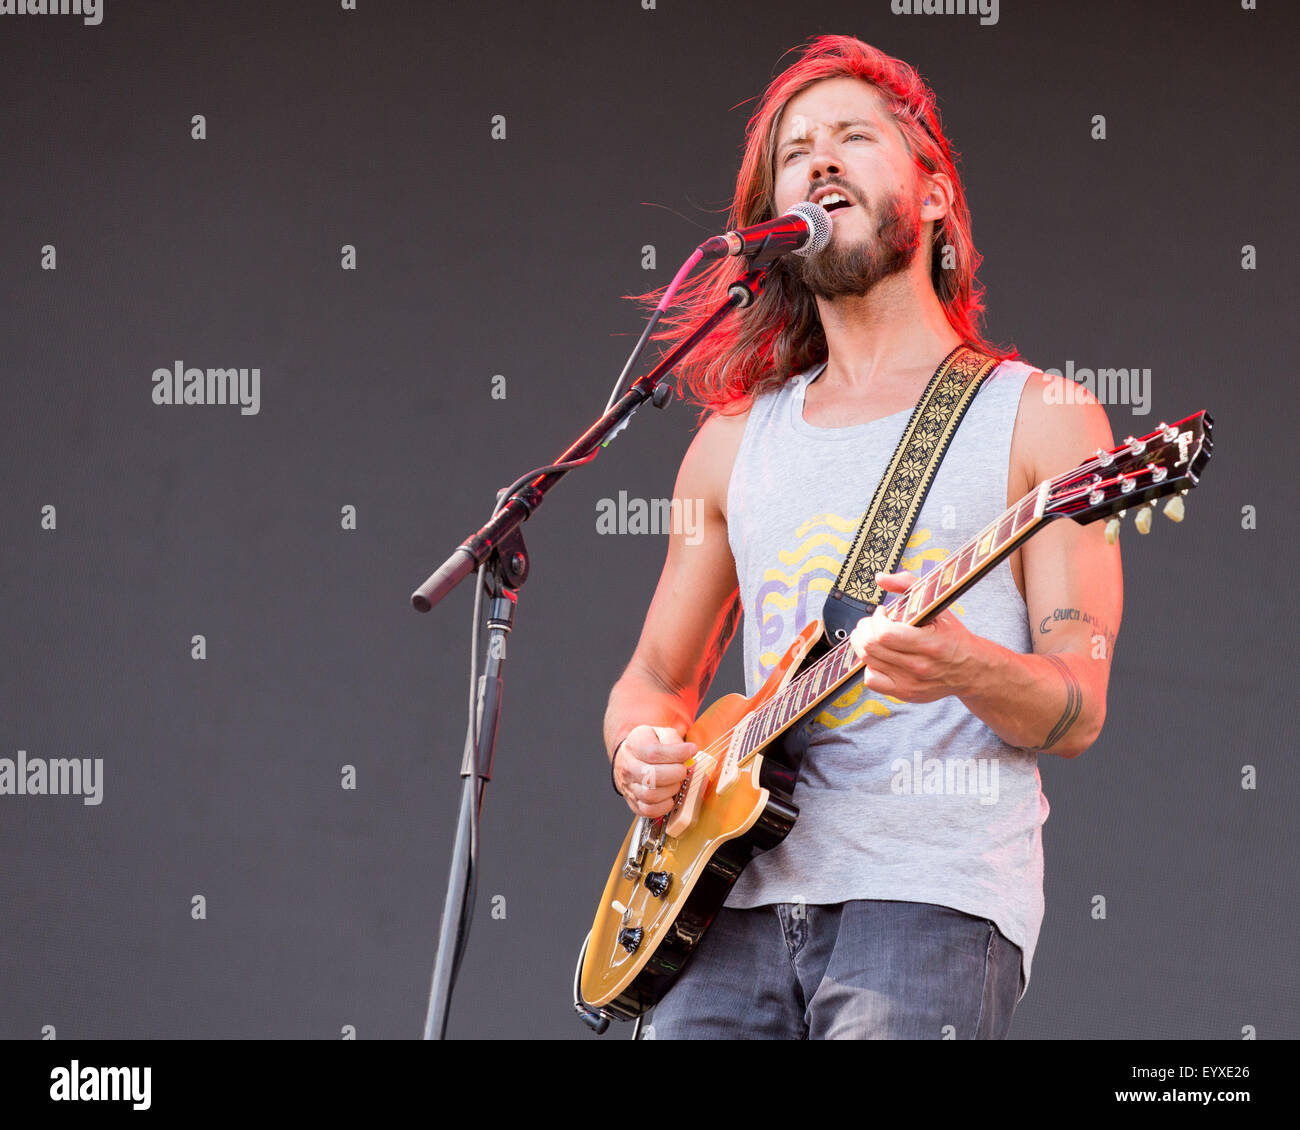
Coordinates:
(895, 908)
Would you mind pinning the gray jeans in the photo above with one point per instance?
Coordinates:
(868, 969)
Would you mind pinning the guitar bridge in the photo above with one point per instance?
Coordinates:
(636, 849)
(681, 793)
(649, 832)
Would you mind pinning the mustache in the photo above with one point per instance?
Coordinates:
(838, 182)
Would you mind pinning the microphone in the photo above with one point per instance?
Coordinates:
(805, 229)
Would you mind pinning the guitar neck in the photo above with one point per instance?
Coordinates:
(924, 600)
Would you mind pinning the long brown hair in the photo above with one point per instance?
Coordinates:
(756, 349)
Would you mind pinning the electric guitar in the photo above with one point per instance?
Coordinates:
(674, 872)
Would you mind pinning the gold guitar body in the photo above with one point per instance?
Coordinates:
(673, 874)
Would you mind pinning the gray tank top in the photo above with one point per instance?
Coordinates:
(918, 802)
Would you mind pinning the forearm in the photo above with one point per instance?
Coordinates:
(1046, 703)
(638, 699)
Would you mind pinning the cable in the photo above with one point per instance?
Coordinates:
(668, 295)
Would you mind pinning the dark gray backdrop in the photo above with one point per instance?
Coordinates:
(479, 257)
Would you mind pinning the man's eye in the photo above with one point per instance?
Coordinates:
(792, 153)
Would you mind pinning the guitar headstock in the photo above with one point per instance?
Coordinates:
(1168, 461)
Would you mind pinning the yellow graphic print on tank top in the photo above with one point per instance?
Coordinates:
(821, 544)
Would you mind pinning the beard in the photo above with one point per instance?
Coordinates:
(854, 268)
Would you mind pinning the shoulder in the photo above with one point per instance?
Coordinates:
(709, 460)
(706, 466)
(1059, 423)
(723, 428)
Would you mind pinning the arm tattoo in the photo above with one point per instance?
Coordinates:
(720, 644)
(1059, 616)
(1073, 702)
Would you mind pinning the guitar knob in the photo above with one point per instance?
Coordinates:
(1112, 531)
(658, 882)
(1142, 519)
(1174, 508)
(630, 938)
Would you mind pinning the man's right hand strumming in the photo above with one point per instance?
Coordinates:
(650, 766)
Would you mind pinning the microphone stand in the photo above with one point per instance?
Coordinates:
(497, 550)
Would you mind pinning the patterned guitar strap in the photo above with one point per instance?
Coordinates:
(887, 524)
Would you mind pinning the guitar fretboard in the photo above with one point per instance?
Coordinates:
(926, 598)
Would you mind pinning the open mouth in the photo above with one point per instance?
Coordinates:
(837, 205)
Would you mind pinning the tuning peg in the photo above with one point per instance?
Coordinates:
(1142, 519)
(1174, 507)
(1112, 531)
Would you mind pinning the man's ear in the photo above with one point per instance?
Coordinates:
(936, 197)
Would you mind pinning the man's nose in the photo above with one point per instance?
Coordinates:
(824, 163)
